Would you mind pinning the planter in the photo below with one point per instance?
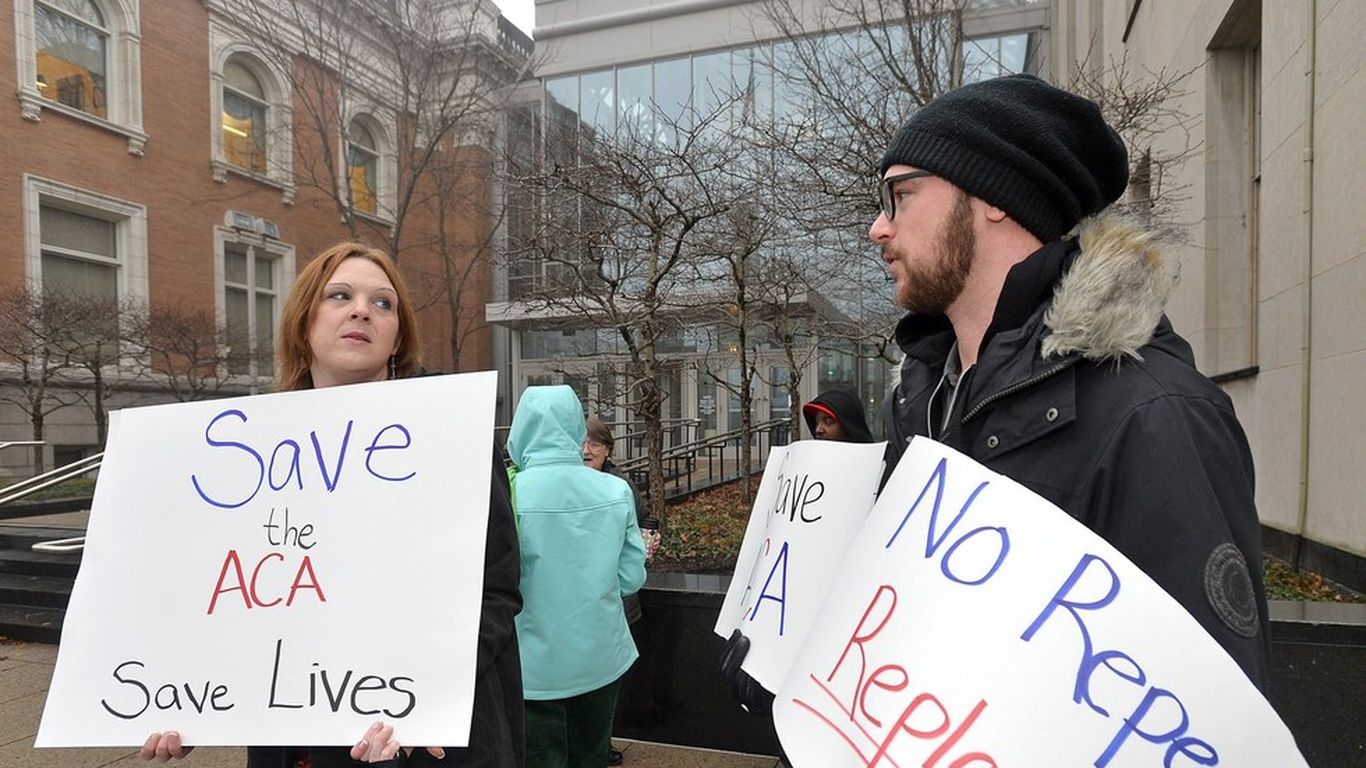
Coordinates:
(674, 694)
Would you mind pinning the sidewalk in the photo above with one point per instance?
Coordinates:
(26, 669)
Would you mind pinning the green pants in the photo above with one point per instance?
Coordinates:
(571, 733)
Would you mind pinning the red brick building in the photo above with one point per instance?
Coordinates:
(164, 155)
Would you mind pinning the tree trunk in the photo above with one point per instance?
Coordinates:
(746, 414)
(37, 418)
(651, 413)
(452, 290)
(101, 418)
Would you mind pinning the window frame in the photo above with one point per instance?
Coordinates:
(265, 128)
(382, 129)
(130, 235)
(279, 135)
(123, 75)
(283, 256)
(48, 249)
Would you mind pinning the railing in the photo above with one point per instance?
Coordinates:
(25, 488)
(708, 461)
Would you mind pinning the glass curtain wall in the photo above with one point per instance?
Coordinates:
(652, 100)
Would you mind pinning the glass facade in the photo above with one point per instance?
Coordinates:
(648, 101)
(988, 57)
(651, 98)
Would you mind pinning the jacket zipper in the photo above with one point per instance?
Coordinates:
(1013, 388)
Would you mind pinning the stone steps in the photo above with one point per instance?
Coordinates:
(34, 586)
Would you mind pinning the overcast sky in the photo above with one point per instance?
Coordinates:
(519, 12)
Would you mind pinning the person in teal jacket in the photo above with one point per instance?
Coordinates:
(581, 553)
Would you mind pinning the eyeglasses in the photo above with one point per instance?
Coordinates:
(590, 443)
(885, 197)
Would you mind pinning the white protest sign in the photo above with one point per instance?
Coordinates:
(974, 624)
(282, 569)
(810, 505)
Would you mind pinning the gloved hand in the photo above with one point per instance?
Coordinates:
(753, 698)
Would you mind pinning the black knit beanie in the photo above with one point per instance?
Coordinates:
(1044, 156)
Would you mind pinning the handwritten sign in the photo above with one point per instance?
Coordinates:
(973, 625)
(810, 505)
(282, 569)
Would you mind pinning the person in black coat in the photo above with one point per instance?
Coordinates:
(1047, 357)
(837, 415)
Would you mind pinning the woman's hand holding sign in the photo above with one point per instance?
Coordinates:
(379, 745)
(376, 746)
(162, 747)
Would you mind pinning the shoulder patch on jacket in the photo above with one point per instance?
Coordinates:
(1228, 587)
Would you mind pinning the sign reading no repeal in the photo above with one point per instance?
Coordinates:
(282, 569)
(964, 622)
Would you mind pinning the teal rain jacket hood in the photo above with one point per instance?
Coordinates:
(581, 552)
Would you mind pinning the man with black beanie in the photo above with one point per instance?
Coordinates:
(1035, 342)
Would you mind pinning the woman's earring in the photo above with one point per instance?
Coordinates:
(393, 369)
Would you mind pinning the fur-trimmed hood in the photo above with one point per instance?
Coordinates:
(1110, 302)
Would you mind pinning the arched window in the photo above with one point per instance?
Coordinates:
(245, 117)
(363, 167)
(82, 58)
(71, 46)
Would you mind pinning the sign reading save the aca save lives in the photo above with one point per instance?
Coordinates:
(282, 569)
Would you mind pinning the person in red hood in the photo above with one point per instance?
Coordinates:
(837, 415)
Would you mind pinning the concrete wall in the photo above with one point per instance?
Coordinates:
(1310, 238)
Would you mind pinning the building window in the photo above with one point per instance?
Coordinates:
(72, 45)
(249, 100)
(369, 166)
(999, 55)
(84, 244)
(244, 118)
(1233, 177)
(82, 58)
(80, 255)
(253, 269)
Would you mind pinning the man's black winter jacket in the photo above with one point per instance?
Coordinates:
(1084, 393)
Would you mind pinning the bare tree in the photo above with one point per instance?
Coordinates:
(34, 345)
(845, 79)
(847, 73)
(1142, 107)
(434, 70)
(623, 226)
(97, 342)
(736, 241)
(185, 352)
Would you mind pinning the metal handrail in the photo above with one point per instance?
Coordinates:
(50, 478)
(702, 463)
(73, 544)
(678, 451)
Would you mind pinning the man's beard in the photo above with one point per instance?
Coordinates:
(930, 288)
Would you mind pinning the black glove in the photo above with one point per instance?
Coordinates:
(753, 698)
